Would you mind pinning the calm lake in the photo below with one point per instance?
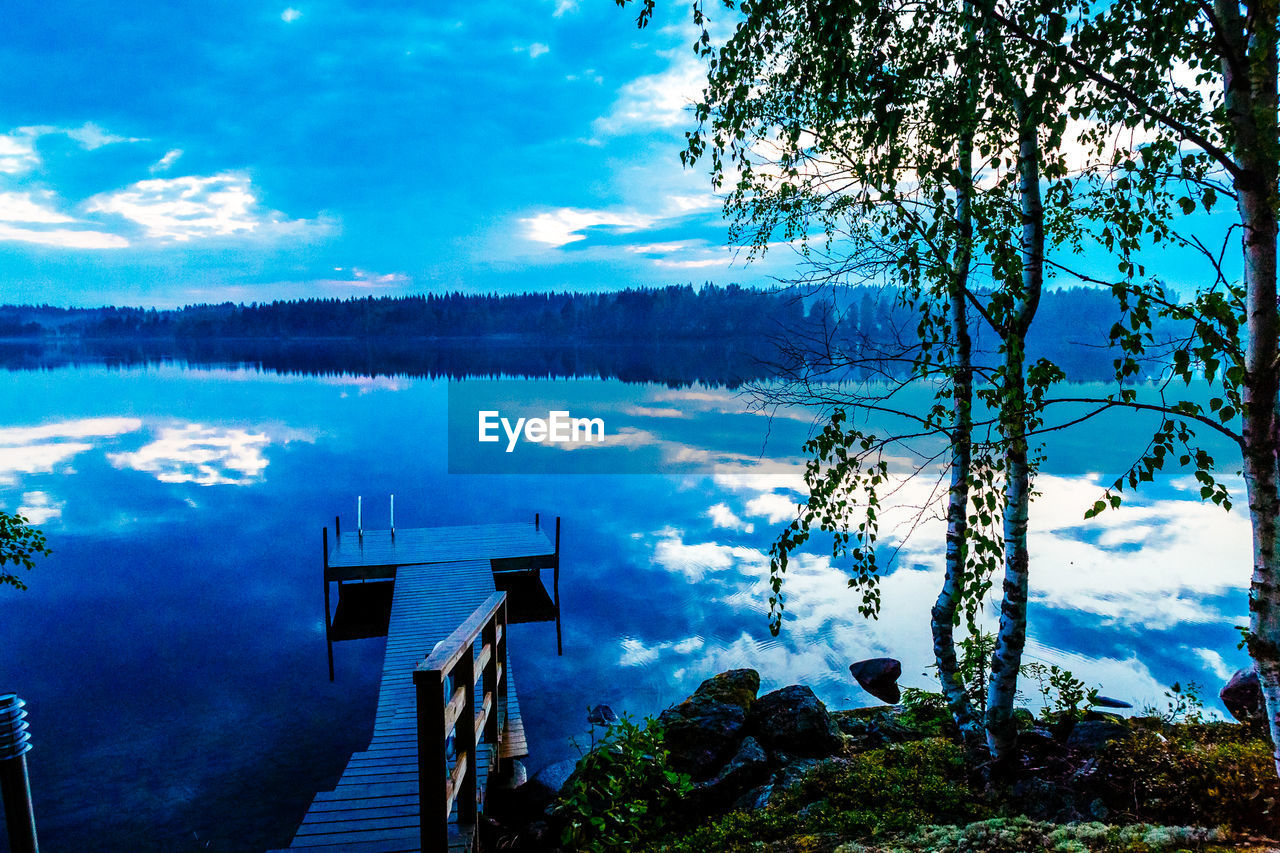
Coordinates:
(172, 650)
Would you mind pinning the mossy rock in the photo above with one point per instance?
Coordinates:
(1020, 834)
(732, 687)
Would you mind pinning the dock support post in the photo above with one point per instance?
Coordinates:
(433, 793)
(337, 527)
(328, 624)
(465, 742)
(15, 785)
(559, 641)
(502, 706)
(489, 636)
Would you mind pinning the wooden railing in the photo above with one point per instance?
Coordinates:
(446, 697)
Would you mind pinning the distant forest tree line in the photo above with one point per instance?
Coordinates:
(758, 326)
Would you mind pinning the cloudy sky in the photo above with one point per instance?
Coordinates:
(161, 154)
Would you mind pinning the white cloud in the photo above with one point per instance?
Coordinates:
(564, 7)
(722, 516)
(565, 225)
(653, 412)
(1215, 663)
(170, 157)
(290, 15)
(90, 136)
(36, 208)
(49, 447)
(18, 152)
(206, 456)
(39, 507)
(773, 507)
(374, 280)
(660, 100)
(24, 207)
(63, 238)
(179, 210)
(534, 50)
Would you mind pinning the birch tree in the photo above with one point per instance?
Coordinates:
(824, 114)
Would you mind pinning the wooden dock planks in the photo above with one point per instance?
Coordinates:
(355, 555)
(441, 576)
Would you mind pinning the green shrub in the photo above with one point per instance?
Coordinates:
(925, 711)
(622, 791)
(881, 791)
(1206, 774)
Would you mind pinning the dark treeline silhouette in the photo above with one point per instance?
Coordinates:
(677, 364)
(641, 315)
(675, 334)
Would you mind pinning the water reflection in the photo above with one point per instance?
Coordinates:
(206, 687)
(194, 453)
(42, 449)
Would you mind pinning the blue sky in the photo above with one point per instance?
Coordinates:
(161, 154)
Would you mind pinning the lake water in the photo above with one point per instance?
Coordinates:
(172, 649)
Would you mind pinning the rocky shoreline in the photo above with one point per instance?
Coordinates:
(728, 757)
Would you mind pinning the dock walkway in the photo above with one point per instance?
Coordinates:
(441, 576)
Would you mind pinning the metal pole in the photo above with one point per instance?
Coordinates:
(15, 786)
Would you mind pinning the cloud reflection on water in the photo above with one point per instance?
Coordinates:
(1155, 564)
(45, 448)
(199, 454)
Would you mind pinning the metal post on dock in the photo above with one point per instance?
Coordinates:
(15, 786)
(360, 516)
(393, 516)
(337, 526)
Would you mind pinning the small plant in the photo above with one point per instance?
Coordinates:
(623, 790)
(924, 711)
(975, 657)
(1182, 704)
(1063, 695)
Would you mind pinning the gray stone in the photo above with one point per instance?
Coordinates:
(1094, 735)
(747, 766)
(1242, 696)
(793, 720)
(708, 726)
(1108, 702)
(554, 776)
(602, 715)
(755, 799)
(879, 677)
(792, 774)
(876, 726)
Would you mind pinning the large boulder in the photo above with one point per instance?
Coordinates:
(879, 677)
(1242, 696)
(705, 729)
(793, 721)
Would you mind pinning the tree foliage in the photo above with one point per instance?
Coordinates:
(20, 543)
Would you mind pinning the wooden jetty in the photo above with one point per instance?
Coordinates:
(418, 785)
